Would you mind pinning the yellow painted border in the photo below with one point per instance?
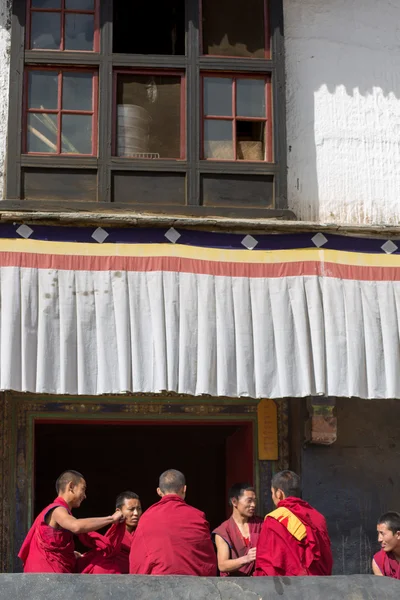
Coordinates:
(196, 253)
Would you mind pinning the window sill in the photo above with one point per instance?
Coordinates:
(57, 212)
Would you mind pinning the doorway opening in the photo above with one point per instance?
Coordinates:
(115, 457)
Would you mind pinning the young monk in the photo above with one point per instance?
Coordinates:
(294, 539)
(386, 562)
(49, 545)
(172, 537)
(110, 553)
(236, 539)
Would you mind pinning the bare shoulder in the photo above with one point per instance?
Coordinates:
(54, 514)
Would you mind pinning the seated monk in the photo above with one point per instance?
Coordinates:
(172, 537)
(294, 539)
(387, 561)
(110, 553)
(236, 539)
(49, 545)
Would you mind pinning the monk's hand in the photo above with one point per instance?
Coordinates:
(77, 554)
(251, 555)
(118, 517)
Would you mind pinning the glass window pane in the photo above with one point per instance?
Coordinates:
(42, 133)
(77, 91)
(46, 3)
(218, 96)
(76, 134)
(250, 98)
(42, 89)
(46, 30)
(218, 140)
(79, 4)
(79, 32)
(149, 116)
(234, 28)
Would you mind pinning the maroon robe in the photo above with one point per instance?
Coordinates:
(48, 550)
(294, 541)
(229, 532)
(388, 565)
(104, 558)
(173, 538)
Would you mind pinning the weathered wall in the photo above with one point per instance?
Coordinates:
(343, 110)
(5, 36)
(356, 479)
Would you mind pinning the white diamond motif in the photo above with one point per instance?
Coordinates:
(172, 235)
(249, 242)
(319, 240)
(24, 231)
(389, 247)
(99, 235)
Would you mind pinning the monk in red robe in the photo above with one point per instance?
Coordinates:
(49, 545)
(386, 562)
(172, 537)
(236, 539)
(110, 552)
(294, 539)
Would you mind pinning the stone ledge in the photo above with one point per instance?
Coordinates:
(137, 219)
(122, 587)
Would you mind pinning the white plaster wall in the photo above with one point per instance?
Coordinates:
(5, 39)
(343, 110)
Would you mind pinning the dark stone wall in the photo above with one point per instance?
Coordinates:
(356, 479)
(121, 587)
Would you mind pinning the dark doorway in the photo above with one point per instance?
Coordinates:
(119, 457)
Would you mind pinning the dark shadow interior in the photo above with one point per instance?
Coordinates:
(142, 27)
(118, 457)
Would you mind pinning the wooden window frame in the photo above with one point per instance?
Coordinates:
(193, 64)
(59, 111)
(165, 73)
(268, 152)
(62, 11)
(267, 33)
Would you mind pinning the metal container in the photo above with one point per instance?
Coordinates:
(133, 130)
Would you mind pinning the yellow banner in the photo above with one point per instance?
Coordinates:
(267, 430)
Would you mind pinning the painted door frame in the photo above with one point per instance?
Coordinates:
(18, 413)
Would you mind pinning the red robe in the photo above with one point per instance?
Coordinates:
(229, 531)
(294, 541)
(48, 550)
(109, 554)
(388, 564)
(173, 538)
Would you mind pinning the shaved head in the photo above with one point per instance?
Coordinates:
(171, 482)
(74, 476)
(391, 520)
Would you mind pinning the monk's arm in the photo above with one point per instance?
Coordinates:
(226, 564)
(67, 521)
(376, 570)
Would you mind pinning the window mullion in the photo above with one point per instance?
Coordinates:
(192, 101)
(105, 103)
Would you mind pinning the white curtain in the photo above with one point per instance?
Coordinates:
(91, 332)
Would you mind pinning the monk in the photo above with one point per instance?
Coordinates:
(49, 545)
(110, 552)
(386, 562)
(294, 539)
(236, 539)
(172, 537)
